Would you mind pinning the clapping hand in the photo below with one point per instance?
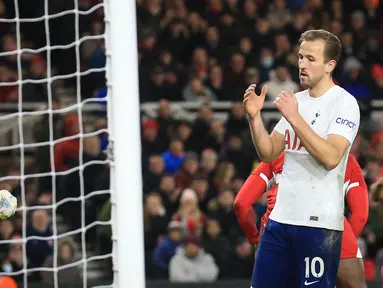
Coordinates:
(252, 102)
(287, 104)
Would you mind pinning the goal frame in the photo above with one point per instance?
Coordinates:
(124, 121)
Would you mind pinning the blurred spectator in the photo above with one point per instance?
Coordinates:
(213, 43)
(189, 213)
(377, 76)
(166, 249)
(235, 75)
(14, 261)
(246, 48)
(374, 228)
(224, 175)
(9, 93)
(278, 14)
(218, 246)
(174, 157)
(201, 127)
(66, 152)
(204, 191)
(215, 82)
(38, 71)
(208, 163)
(281, 82)
(152, 178)
(221, 208)
(266, 63)
(354, 81)
(38, 250)
(66, 276)
(165, 121)
(237, 121)
(372, 169)
(252, 76)
(151, 141)
(242, 260)
(6, 232)
(236, 154)
(216, 136)
(169, 193)
(192, 264)
(157, 87)
(155, 221)
(199, 65)
(282, 47)
(73, 186)
(196, 91)
(189, 168)
(42, 134)
(184, 133)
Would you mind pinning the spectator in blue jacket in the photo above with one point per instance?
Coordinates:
(39, 250)
(174, 156)
(166, 249)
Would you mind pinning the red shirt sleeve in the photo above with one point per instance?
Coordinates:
(250, 193)
(357, 196)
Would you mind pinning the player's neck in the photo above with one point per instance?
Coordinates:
(321, 88)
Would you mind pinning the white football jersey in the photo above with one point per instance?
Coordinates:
(309, 194)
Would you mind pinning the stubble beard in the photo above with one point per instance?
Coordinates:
(310, 83)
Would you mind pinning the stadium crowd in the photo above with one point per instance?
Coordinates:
(211, 51)
(189, 50)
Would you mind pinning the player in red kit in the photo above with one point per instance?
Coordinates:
(266, 178)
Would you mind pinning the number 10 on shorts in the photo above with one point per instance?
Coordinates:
(313, 266)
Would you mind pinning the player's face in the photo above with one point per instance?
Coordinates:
(312, 66)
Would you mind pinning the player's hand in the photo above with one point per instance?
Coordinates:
(287, 104)
(252, 102)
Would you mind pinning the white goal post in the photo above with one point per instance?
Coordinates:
(121, 39)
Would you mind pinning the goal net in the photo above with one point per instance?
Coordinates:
(70, 148)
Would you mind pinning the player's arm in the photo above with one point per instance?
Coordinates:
(357, 198)
(251, 191)
(268, 146)
(342, 131)
(328, 152)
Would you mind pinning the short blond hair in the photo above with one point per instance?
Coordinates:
(333, 46)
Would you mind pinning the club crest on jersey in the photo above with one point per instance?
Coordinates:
(316, 117)
(346, 122)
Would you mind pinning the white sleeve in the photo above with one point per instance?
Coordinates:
(282, 126)
(345, 120)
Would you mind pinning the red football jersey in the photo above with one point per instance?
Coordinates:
(268, 172)
(255, 185)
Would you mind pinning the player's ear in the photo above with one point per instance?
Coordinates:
(330, 66)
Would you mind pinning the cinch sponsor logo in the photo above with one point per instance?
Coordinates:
(346, 122)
